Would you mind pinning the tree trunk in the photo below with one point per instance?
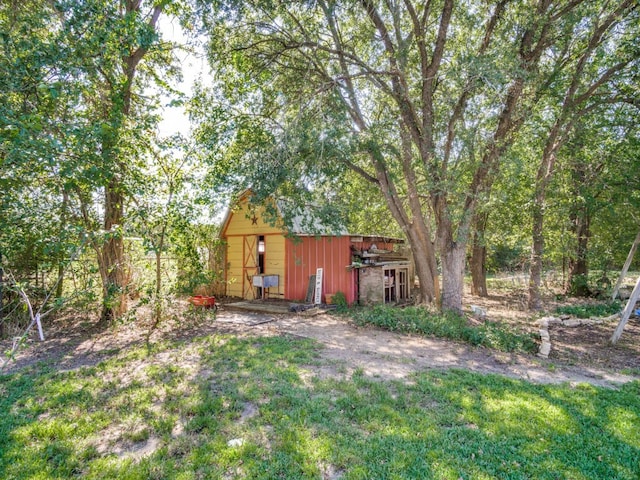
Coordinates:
(159, 250)
(578, 267)
(63, 222)
(60, 284)
(479, 257)
(543, 179)
(453, 259)
(114, 269)
(537, 250)
(412, 222)
(425, 263)
(157, 313)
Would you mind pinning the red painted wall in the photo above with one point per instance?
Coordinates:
(306, 254)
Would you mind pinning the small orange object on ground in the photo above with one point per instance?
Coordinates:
(203, 301)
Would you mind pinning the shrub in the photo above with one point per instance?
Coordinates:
(448, 325)
(591, 310)
(340, 301)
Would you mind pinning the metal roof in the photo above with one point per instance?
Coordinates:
(306, 225)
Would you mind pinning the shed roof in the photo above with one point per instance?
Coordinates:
(306, 225)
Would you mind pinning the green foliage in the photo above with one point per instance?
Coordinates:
(445, 324)
(290, 423)
(78, 115)
(579, 285)
(200, 257)
(340, 300)
(506, 258)
(591, 310)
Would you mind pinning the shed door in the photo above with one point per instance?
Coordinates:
(249, 265)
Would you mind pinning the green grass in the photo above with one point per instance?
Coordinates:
(446, 325)
(189, 400)
(591, 310)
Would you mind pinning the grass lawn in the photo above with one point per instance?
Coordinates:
(223, 407)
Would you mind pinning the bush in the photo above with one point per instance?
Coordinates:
(340, 301)
(446, 325)
(591, 310)
(579, 286)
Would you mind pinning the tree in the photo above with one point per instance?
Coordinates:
(478, 260)
(593, 64)
(34, 234)
(162, 204)
(81, 112)
(599, 163)
(123, 35)
(421, 99)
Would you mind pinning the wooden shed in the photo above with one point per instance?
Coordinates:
(265, 260)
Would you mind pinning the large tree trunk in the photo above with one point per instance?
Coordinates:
(425, 263)
(578, 266)
(114, 271)
(479, 257)
(453, 258)
(412, 222)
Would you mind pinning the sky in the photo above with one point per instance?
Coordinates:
(175, 120)
(193, 66)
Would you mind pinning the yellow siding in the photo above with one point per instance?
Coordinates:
(274, 260)
(234, 266)
(247, 222)
(242, 219)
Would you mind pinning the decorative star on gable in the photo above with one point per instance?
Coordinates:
(254, 220)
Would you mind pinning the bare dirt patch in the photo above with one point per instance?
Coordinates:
(585, 345)
(590, 345)
(389, 355)
(579, 354)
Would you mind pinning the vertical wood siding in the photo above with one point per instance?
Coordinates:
(234, 266)
(294, 261)
(306, 254)
(274, 261)
(241, 232)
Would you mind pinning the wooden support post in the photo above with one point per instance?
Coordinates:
(627, 264)
(626, 313)
(39, 324)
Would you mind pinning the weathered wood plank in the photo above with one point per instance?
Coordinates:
(626, 266)
(626, 313)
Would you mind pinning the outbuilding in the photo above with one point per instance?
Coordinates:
(264, 259)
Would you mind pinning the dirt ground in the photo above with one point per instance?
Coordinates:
(579, 354)
(585, 345)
